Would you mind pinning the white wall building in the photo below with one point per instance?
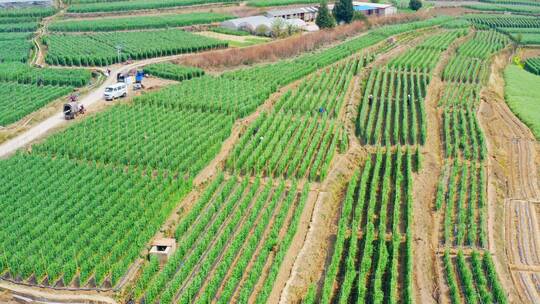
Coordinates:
(259, 24)
(24, 3)
(305, 13)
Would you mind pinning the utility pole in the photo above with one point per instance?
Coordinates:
(119, 52)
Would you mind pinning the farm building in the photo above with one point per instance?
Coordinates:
(24, 3)
(374, 9)
(304, 13)
(259, 24)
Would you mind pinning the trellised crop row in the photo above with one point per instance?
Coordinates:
(462, 193)
(69, 223)
(478, 282)
(173, 71)
(374, 267)
(392, 109)
(470, 63)
(23, 73)
(25, 99)
(460, 95)
(533, 65)
(497, 20)
(323, 92)
(145, 136)
(462, 134)
(136, 5)
(100, 49)
(234, 224)
(287, 145)
(136, 22)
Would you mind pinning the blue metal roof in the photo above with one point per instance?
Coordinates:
(363, 8)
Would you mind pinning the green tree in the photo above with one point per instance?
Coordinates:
(343, 11)
(324, 19)
(415, 4)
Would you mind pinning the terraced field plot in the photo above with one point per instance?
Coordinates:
(102, 49)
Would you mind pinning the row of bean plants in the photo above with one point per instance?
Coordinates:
(25, 99)
(460, 95)
(392, 109)
(498, 20)
(133, 23)
(461, 192)
(27, 12)
(72, 224)
(224, 242)
(18, 19)
(366, 265)
(514, 2)
(136, 5)
(15, 50)
(533, 65)
(19, 27)
(287, 145)
(100, 49)
(462, 135)
(173, 71)
(472, 279)
(323, 92)
(15, 36)
(505, 8)
(470, 65)
(22, 73)
(145, 136)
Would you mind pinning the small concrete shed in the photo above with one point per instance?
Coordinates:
(163, 249)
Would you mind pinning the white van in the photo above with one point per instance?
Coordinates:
(115, 91)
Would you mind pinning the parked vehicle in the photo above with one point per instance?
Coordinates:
(72, 109)
(116, 91)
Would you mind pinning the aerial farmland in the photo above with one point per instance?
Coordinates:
(269, 151)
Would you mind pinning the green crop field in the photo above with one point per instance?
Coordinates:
(173, 71)
(354, 172)
(533, 65)
(25, 99)
(523, 101)
(85, 230)
(524, 9)
(118, 6)
(102, 49)
(133, 23)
